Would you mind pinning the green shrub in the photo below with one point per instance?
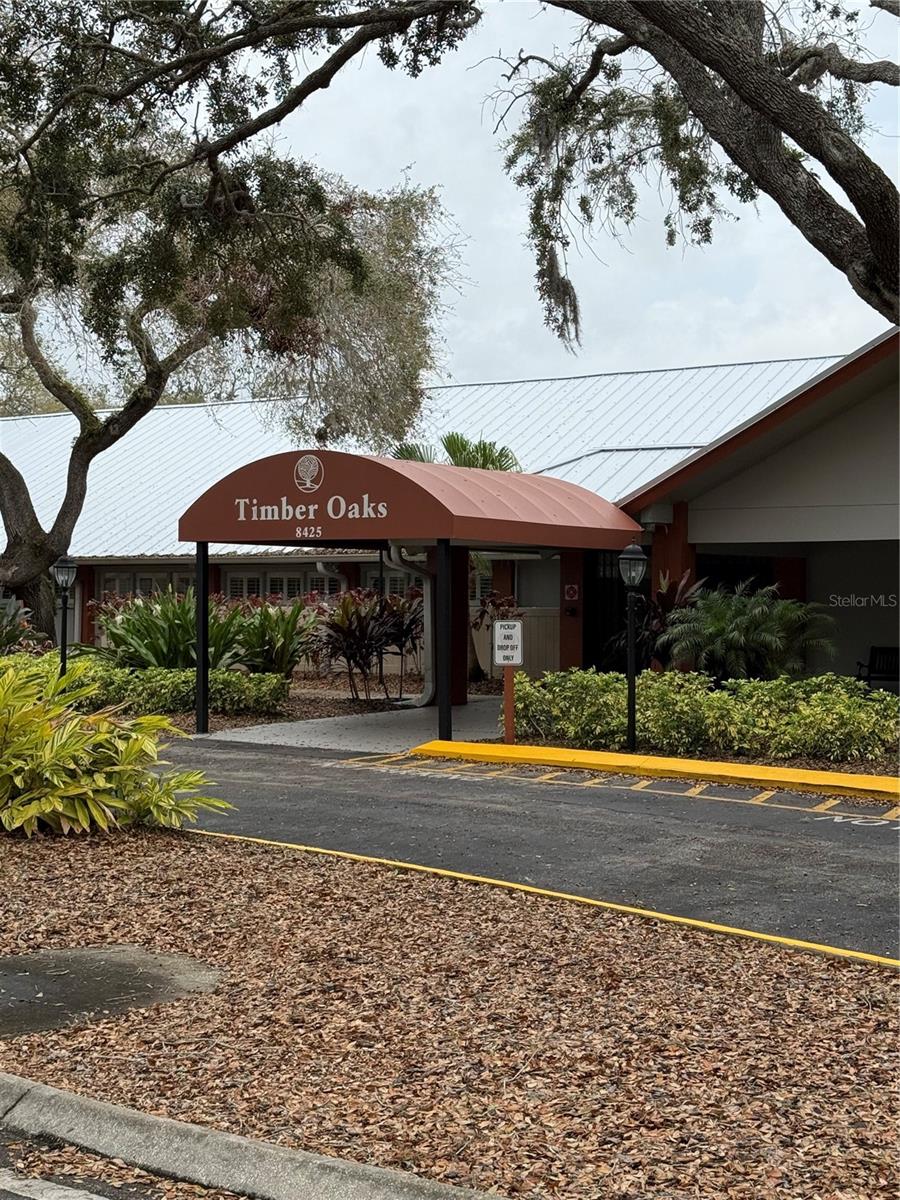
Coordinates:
(825, 717)
(574, 708)
(671, 711)
(235, 694)
(157, 690)
(62, 770)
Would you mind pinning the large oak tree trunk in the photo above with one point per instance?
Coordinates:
(39, 595)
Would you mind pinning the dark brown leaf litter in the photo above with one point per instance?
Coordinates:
(503, 1041)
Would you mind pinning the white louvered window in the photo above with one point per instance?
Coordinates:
(239, 587)
(296, 586)
(181, 583)
(479, 586)
(146, 585)
(119, 585)
(396, 583)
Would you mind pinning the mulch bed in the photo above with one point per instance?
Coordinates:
(299, 707)
(494, 1039)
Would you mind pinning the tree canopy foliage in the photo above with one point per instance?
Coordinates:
(137, 268)
(713, 102)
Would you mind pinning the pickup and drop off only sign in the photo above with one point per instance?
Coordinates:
(508, 644)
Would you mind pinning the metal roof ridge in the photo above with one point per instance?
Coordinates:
(442, 387)
(750, 362)
(620, 450)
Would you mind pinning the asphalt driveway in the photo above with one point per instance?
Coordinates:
(826, 876)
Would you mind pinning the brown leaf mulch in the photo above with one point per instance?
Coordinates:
(494, 1039)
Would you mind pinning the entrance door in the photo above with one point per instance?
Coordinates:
(604, 610)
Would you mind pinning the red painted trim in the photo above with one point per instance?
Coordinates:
(86, 576)
(770, 421)
(671, 553)
(502, 576)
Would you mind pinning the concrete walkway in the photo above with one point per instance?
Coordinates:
(374, 733)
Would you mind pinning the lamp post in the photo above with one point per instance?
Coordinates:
(632, 568)
(63, 572)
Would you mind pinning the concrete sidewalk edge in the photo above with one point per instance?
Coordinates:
(203, 1156)
(836, 783)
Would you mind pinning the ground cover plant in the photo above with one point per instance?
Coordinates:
(64, 771)
(829, 717)
(484, 1038)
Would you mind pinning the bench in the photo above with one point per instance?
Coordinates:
(883, 666)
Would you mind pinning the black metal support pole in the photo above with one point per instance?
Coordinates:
(631, 670)
(64, 630)
(442, 637)
(202, 596)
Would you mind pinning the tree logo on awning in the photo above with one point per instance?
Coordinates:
(309, 473)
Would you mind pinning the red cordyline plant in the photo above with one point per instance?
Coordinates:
(496, 607)
(356, 631)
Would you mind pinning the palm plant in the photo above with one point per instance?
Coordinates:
(746, 634)
(460, 451)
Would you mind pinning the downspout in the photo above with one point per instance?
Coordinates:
(394, 557)
(322, 568)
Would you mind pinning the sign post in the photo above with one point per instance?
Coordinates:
(508, 654)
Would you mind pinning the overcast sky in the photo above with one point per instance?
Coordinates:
(758, 292)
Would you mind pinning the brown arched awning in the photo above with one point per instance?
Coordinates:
(327, 497)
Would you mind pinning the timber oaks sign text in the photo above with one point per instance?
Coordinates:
(309, 476)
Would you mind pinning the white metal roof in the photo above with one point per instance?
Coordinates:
(610, 433)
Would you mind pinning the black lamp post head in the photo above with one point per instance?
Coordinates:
(632, 565)
(63, 572)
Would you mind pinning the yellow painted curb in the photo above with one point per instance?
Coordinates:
(609, 905)
(834, 783)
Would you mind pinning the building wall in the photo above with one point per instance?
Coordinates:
(857, 581)
(839, 482)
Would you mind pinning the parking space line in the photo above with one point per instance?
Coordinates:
(405, 762)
